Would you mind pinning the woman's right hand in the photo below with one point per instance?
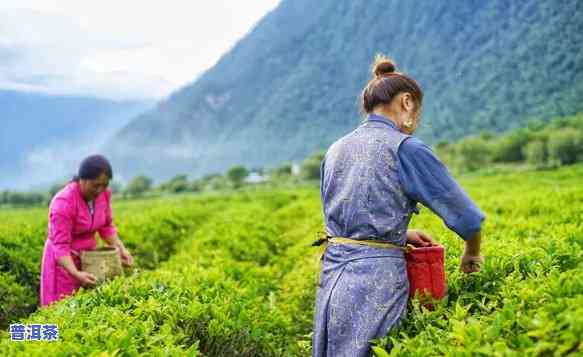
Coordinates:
(86, 279)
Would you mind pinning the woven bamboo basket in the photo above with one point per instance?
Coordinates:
(103, 262)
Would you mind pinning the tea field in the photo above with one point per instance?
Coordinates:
(234, 275)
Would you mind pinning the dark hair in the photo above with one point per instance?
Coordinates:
(386, 84)
(92, 167)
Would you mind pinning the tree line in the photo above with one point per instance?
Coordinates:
(236, 177)
(540, 145)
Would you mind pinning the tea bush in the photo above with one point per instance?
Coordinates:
(150, 230)
(242, 282)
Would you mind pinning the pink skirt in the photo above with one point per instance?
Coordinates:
(55, 281)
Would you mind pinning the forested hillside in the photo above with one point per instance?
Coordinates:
(291, 86)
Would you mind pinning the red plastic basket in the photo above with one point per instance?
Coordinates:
(426, 271)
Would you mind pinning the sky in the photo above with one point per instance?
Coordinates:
(121, 50)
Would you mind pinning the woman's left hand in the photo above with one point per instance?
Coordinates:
(126, 258)
(418, 238)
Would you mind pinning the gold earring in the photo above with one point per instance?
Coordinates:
(408, 123)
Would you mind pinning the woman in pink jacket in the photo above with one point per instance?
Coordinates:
(76, 213)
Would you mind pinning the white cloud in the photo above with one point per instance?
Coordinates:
(117, 49)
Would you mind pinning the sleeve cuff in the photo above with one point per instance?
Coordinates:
(107, 232)
(467, 230)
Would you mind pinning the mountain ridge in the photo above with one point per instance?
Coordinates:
(44, 136)
(291, 86)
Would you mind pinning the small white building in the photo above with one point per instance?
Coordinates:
(296, 168)
(255, 177)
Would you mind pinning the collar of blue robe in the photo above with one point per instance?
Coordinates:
(382, 119)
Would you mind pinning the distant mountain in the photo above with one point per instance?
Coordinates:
(291, 86)
(43, 137)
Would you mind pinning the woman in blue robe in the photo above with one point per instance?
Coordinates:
(371, 182)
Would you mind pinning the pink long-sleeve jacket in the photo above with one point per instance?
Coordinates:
(71, 229)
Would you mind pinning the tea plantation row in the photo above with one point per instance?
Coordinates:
(243, 283)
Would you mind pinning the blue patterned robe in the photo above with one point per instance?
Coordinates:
(371, 181)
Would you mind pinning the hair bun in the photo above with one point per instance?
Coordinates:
(383, 65)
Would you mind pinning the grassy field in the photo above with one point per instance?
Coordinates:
(234, 275)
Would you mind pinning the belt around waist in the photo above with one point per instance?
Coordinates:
(369, 243)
